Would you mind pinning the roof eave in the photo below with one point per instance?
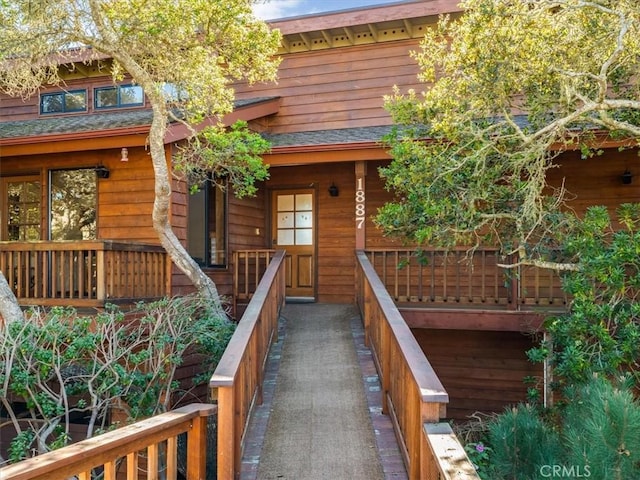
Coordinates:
(129, 136)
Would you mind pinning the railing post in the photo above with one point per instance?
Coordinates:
(515, 285)
(197, 448)
(101, 277)
(226, 433)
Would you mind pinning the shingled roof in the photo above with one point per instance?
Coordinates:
(329, 137)
(70, 124)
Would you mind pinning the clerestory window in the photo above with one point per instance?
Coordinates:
(119, 96)
(63, 102)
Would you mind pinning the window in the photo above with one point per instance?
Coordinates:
(206, 230)
(72, 208)
(173, 93)
(119, 96)
(63, 102)
(21, 209)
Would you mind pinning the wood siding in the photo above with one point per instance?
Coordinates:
(337, 88)
(597, 180)
(481, 371)
(335, 224)
(16, 108)
(246, 229)
(125, 199)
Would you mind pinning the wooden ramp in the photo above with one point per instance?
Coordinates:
(321, 416)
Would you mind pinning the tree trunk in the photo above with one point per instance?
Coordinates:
(9, 307)
(161, 205)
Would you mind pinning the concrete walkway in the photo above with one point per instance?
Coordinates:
(321, 417)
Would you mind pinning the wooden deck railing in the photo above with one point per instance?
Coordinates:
(248, 268)
(237, 382)
(121, 449)
(411, 392)
(84, 273)
(461, 278)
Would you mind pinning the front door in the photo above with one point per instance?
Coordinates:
(293, 230)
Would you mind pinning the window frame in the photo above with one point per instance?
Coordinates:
(118, 89)
(207, 190)
(64, 94)
(51, 202)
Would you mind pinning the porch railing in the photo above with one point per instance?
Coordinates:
(155, 440)
(458, 278)
(84, 273)
(412, 394)
(248, 268)
(237, 382)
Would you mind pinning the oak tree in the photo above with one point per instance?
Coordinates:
(197, 47)
(509, 85)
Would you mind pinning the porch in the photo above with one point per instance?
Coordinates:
(411, 397)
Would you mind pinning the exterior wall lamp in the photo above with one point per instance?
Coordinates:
(626, 177)
(333, 190)
(102, 172)
(124, 155)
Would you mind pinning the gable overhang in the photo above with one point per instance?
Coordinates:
(126, 136)
(330, 153)
(361, 25)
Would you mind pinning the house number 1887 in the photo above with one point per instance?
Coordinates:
(360, 204)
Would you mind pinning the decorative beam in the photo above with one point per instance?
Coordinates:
(349, 33)
(374, 31)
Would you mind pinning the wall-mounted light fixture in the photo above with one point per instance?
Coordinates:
(102, 172)
(124, 155)
(333, 190)
(626, 177)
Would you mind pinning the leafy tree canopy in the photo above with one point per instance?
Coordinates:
(196, 46)
(508, 86)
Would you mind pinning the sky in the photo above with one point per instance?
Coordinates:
(272, 9)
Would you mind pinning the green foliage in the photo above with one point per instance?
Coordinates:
(198, 47)
(223, 156)
(595, 434)
(481, 457)
(601, 331)
(504, 86)
(21, 445)
(61, 364)
(602, 429)
(522, 442)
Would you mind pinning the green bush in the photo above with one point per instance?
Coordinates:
(522, 442)
(601, 429)
(594, 433)
(63, 366)
(600, 333)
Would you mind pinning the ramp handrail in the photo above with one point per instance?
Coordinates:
(237, 382)
(411, 391)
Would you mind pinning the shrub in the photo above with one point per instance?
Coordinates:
(63, 366)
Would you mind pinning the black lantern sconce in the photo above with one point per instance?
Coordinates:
(102, 172)
(626, 177)
(333, 190)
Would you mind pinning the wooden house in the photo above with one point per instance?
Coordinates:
(61, 244)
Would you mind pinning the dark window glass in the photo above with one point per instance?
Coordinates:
(63, 102)
(206, 234)
(73, 199)
(120, 96)
(22, 210)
